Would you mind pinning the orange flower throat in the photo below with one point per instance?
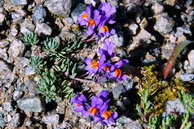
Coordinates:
(105, 28)
(91, 22)
(93, 110)
(106, 68)
(118, 72)
(94, 64)
(106, 114)
(85, 15)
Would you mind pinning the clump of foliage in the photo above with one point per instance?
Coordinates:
(56, 69)
(51, 44)
(30, 38)
(154, 93)
(37, 63)
(53, 87)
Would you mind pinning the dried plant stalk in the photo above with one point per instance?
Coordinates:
(173, 57)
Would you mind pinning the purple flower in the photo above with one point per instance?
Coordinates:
(93, 22)
(98, 109)
(80, 104)
(85, 16)
(109, 46)
(92, 66)
(101, 101)
(96, 20)
(116, 72)
(107, 10)
(108, 117)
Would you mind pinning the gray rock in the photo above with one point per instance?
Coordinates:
(167, 50)
(43, 29)
(164, 24)
(59, 7)
(15, 121)
(30, 104)
(183, 29)
(4, 43)
(39, 14)
(2, 18)
(1, 3)
(187, 77)
(114, 2)
(77, 11)
(20, 64)
(26, 26)
(128, 123)
(2, 122)
(118, 90)
(14, 30)
(16, 49)
(31, 85)
(137, 2)
(17, 95)
(140, 39)
(29, 71)
(133, 125)
(19, 2)
(157, 8)
(93, 2)
(6, 75)
(3, 53)
(174, 106)
(51, 119)
(191, 59)
(18, 15)
(7, 106)
(133, 28)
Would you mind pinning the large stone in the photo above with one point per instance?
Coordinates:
(164, 24)
(6, 75)
(16, 49)
(30, 104)
(187, 77)
(2, 122)
(157, 8)
(191, 60)
(26, 26)
(4, 43)
(51, 119)
(39, 13)
(118, 90)
(15, 121)
(18, 15)
(43, 28)
(133, 28)
(174, 106)
(3, 53)
(2, 18)
(141, 38)
(93, 2)
(19, 2)
(59, 7)
(7, 106)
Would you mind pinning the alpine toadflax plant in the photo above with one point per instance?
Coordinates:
(97, 20)
(97, 108)
(104, 65)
